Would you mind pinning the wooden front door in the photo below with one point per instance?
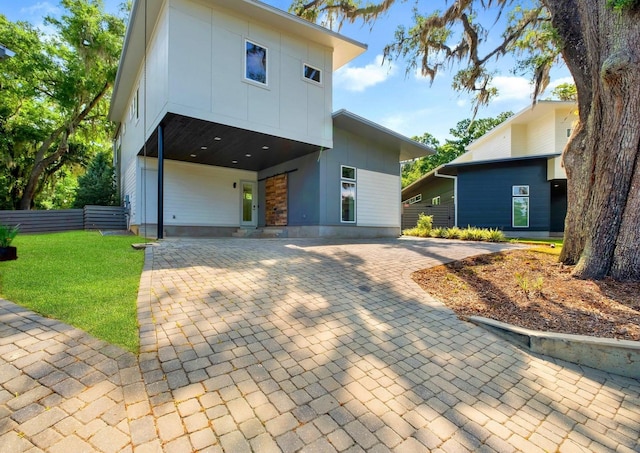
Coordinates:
(276, 200)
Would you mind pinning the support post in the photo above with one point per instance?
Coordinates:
(160, 232)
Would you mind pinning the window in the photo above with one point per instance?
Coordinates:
(348, 173)
(435, 201)
(568, 133)
(311, 73)
(348, 194)
(134, 112)
(520, 206)
(255, 63)
(520, 191)
(413, 200)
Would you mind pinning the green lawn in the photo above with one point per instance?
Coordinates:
(81, 278)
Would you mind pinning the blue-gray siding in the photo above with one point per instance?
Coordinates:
(354, 151)
(485, 194)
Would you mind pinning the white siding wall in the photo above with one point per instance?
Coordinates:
(541, 136)
(206, 73)
(378, 199)
(197, 195)
(495, 147)
(152, 87)
(518, 140)
(555, 170)
(128, 188)
(565, 119)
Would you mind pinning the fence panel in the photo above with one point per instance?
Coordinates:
(44, 221)
(89, 218)
(443, 215)
(104, 218)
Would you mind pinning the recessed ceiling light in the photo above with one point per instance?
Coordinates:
(203, 147)
(247, 155)
(193, 155)
(217, 139)
(234, 161)
(265, 147)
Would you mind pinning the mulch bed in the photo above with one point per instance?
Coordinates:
(530, 289)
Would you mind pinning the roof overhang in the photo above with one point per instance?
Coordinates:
(145, 13)
(424, 178)
(198, 141)
(452, 168)
(409, 149)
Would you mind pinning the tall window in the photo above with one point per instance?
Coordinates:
(134, 112)
(520, 206)
(255, 63)
(348, 194)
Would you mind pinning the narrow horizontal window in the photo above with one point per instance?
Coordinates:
(311, 73)
(348, 172)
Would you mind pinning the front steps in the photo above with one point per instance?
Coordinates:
(262, 233)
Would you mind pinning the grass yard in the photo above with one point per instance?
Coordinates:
(81, 278)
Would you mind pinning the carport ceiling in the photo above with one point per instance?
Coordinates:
(193, 140)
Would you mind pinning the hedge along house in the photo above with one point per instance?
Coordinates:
(224, 123)
(511, 178)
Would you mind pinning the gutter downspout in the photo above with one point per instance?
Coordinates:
(455, 194)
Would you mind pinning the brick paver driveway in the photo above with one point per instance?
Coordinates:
(298, 345)
(314, 346)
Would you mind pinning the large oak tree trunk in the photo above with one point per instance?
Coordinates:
(602, 50)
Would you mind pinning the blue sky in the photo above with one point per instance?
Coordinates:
(385, 94)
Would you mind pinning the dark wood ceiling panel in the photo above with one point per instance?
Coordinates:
(194, 140)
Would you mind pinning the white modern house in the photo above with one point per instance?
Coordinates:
(224, 113)
(511, 178)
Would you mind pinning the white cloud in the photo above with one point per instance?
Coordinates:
(410, 123)
(512, 88)
(461, 102)
(354, 78)
(39, 9)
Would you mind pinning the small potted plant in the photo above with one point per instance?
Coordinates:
(8, 234)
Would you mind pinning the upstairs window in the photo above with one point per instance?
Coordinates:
(134, 112)
(435, 201)
(312, 74)
(255, 63)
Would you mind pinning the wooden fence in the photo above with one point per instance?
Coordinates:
(443, 215)
(89, 218)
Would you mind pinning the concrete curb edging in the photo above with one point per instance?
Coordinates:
(620, 357)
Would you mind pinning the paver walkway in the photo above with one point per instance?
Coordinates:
(299, 345)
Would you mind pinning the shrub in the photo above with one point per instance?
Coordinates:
(453, 233)
(423, 228)
(439, 232)
(425, 222)
(8, 234)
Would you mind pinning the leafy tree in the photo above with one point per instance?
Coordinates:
(565, 92)
(54, 96)
(97, 185)
(598, 41)
(464, 133)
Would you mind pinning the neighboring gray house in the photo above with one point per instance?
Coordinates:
(511, 178)
(237, 132)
